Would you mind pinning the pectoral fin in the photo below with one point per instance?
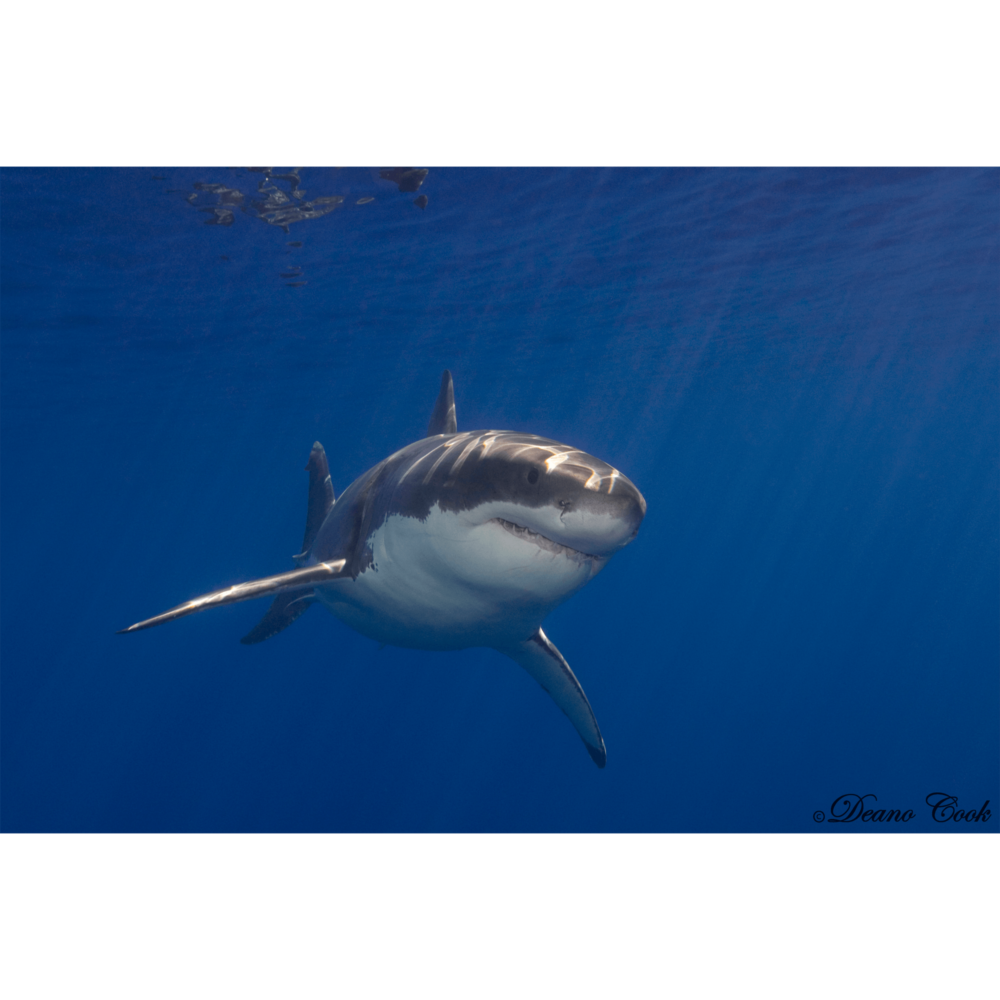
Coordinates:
(296, 579)
(546, 664)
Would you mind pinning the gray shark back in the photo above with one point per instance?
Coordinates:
(462, 471)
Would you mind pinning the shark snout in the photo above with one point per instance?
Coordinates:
(599, 524)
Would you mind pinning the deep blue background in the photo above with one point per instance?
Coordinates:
(798, 368)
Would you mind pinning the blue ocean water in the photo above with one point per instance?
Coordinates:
(798, 368)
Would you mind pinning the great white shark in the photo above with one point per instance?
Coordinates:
(456, 540)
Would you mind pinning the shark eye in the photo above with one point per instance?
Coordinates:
(533, 476)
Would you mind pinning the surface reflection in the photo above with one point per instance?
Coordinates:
(279, 199)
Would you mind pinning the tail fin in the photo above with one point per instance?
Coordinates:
(283, 611)
(321, 496)
(287, 607)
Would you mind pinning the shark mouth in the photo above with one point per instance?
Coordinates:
(542, 542)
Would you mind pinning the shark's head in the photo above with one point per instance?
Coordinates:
(546, 493)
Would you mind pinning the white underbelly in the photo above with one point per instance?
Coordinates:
(448, 583)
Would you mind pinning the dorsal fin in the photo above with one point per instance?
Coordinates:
(443, 420)
(320, 493)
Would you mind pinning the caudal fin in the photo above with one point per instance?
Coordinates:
(321, 497)
(288, 607)
(284, 610)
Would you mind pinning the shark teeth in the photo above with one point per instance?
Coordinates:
(542, 541)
